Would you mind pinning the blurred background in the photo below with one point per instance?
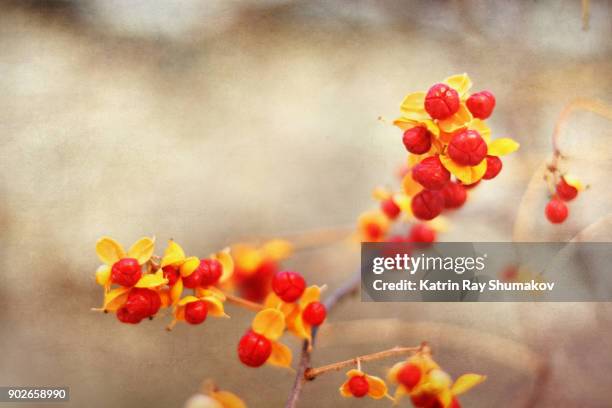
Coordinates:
(211, 122)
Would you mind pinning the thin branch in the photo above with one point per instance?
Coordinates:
(351, 286)
(243, 302)
(312, 373)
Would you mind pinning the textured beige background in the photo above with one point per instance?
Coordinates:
(219, 120)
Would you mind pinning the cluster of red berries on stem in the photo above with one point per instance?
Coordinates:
(290, 302)
(450, 145)
(419, 233)
(567, 189)
(289, 286)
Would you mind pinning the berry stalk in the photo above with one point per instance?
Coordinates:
(247, 304)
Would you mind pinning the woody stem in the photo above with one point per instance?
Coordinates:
(312, 373)
(247, 304)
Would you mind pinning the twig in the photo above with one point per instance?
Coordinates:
(243, 302)
(350, 287)
(312, 373)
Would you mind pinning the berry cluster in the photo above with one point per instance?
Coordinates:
(419, 377)
(450, 145)
(255, 266)
(374, 226)
(130, 293)
(420, 233)
(427, 385)
(566, 189)
(450, 152)
(291, 306)
(143, 286)
(136, 287)
(202, 276)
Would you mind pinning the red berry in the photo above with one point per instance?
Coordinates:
(288, 286)
(422, 233)
(315, 313)
(374, 231)
(430, 173)
(454, 195)
(427, 204)
(256, 286)
(426, 400)
(467, 148)
(409, 376)
(565, 191)
(510, 273)
(390, 209)
(194, 279)
(171, 273)
(481, 104)
(143, 302)
(455, 403)
(254, 349)
(556, 211)
(358, 385)
(125, 316)
(494, 166)
(196, 312)
(417, 140)
(126, 272)
(441, 101)
(211, 271)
